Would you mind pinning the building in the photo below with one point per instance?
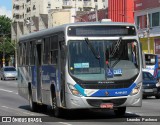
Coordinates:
(31, 15)
(147, 19)
(34, 15)
(92, 16)
(59, 17)
(121, 10)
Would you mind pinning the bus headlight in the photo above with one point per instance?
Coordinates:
(136, 88)
(73, 90)
(158, 84)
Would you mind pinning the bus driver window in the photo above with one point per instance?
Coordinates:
(134, 51)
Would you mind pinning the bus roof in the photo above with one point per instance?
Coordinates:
(63, 27)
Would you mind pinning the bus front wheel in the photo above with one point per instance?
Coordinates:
(56, 110)
(120, 111)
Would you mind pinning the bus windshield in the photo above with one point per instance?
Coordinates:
(103, 59)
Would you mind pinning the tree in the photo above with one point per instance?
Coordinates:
(6, 45)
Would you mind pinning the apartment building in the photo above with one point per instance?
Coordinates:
(147, 19)
(34, 15)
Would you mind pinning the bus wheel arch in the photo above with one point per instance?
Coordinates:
(57, 112)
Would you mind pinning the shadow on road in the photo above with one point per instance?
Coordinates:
(86, 115)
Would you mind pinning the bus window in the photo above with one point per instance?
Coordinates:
(46, 50)
(32, 55)
(54, 49)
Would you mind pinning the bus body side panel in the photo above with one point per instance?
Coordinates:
(34, 82)
(24, 78)
(48, 78)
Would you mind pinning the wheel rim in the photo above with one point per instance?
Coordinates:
(54, 103)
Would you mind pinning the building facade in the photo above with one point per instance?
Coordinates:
(147, 19)
(92, 16)
(121, 10)
(34, 15)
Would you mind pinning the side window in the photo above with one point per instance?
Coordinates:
(24, 54)
(54, 49)
(150, 76)
(27, 53)
(32, 54)
(20, 54)
(46, 50)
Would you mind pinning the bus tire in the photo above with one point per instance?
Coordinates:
(158, 94)
(33, 105)
(57, 112)
(120, 111)
(43, 107)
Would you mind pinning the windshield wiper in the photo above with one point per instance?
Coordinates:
(121, 45)
(116, 47)
(95, 53)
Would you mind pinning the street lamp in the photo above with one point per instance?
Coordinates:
(148, 33)
(96, 9)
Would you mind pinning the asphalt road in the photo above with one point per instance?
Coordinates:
(11, 104)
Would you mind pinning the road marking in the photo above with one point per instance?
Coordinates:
(17, 110)
(8, 91)
(65, 123)
(133, 113)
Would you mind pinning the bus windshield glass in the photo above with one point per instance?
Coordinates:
(103, 59)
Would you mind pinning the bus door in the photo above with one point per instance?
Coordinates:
(61, 65)
(38, 62)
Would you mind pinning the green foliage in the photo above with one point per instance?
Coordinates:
(5, 25)
(6, 45)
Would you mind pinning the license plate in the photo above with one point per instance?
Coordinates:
(148, 90)
(107, 105)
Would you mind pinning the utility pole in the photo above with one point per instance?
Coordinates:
(148, 33)
(3, 60)
(96, 8)
(15, 61)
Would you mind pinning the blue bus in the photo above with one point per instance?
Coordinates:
(81, 66)
(151, 63)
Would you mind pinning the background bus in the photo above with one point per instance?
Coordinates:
(151, 63)
(81, 66)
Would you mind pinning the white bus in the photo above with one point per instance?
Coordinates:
(81, 66)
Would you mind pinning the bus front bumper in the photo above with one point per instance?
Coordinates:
(75, 102)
